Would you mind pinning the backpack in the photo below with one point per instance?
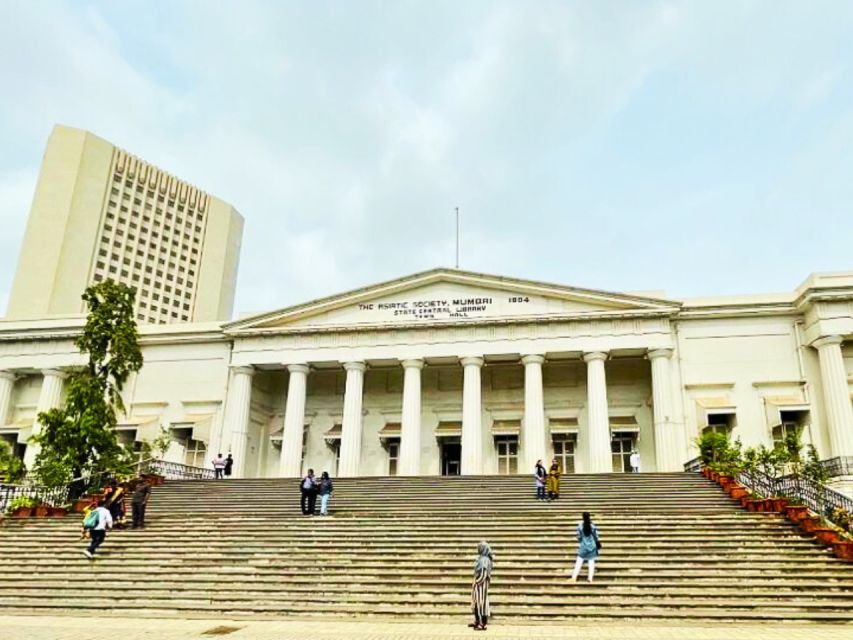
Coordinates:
(91, 520)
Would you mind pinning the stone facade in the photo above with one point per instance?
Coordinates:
(449, 372)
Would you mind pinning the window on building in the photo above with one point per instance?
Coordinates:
(195, 453)
(719, 423)
(393, 456)
(622, 444)
(507, 447)
(564, 450)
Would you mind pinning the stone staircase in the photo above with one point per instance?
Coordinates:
(675, 548)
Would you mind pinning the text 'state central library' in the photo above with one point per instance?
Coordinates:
(442, 372)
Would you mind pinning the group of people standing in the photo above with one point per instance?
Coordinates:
(310, 487)
(222, 467)
(547, 480)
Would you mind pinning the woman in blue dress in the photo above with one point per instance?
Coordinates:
(588, 547)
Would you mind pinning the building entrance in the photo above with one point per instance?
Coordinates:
(451, 458)
(621, 446)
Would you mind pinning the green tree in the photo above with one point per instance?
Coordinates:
(11, 467)
(79, 438)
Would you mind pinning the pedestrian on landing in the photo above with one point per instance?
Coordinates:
(635, 461)
(308, 487)
(588, 547)
(480, 589)
(101, 522)
(554, 474)
(138, 503)
(541, 477)
(229, 464)
(325, 488)
(218, 466)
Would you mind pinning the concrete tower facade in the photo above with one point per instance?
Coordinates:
(99, 212)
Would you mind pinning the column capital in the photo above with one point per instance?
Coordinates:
(664, 352)
(532, 358)
(471, 361)
(54, 373)
(412, 363)
(355, 365)
(243, 370)
(591, 356)
(298, 368)
(827, 340)
(8, 375)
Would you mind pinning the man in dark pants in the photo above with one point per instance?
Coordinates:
(309, 493)
(98, 533)
(139, 502)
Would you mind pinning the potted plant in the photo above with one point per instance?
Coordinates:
(843, 549)
(796, 512)
(58, 512)
(826, 535)
(21, 507)
(809, 523)
(42, 510)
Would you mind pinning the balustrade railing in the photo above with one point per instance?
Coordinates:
(693, 466)
(838, 466)
(175, 470)
(52, 496)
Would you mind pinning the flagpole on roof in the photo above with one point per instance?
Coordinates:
(457, 237)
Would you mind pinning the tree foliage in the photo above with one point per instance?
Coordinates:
(79, 437)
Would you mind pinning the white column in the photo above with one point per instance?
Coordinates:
(351, 428)
(472, 424)
(533, 431)
(290, 465)
(598, 418)
(239, 404)
(665, 437)
(836, 393)
(7, 383)
(49, 398)
(410, 429)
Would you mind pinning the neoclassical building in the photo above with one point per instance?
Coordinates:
(452, 372)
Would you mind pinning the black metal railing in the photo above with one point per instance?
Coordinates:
(694, 466)
(175, 470)
(52, 496)
(838, 466)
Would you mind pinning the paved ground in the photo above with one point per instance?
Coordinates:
(79, 628)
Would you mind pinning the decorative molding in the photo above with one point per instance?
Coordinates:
(698, 386)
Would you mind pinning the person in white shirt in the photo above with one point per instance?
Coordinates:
(219, 467)
(635, 461)
(99, 531)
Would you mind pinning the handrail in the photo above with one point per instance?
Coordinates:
(52, 496)
(693, 466)
(838, 466)
(176, 470)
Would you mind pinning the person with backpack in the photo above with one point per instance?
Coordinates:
(325, 489)
(588, 547)
(541, 477)
(229, 464)
(97, 522)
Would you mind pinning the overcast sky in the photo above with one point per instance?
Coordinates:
(700, 148)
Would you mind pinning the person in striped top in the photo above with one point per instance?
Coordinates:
(480, 589)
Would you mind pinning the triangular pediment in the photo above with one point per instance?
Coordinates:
(450, 295)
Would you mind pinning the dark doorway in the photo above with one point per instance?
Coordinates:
(451, 458)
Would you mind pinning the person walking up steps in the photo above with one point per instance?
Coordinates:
(541, 477)
(480, 589)
(98, 522)
(588, 547)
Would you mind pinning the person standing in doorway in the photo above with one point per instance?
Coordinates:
(635, 461)
(229, 464)
(139, 502)
(480, 589)
(98, 531)
(218, 466)
(588, 547)
(541, 477)
(554, 474)
(308, 488)
(326, 489)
